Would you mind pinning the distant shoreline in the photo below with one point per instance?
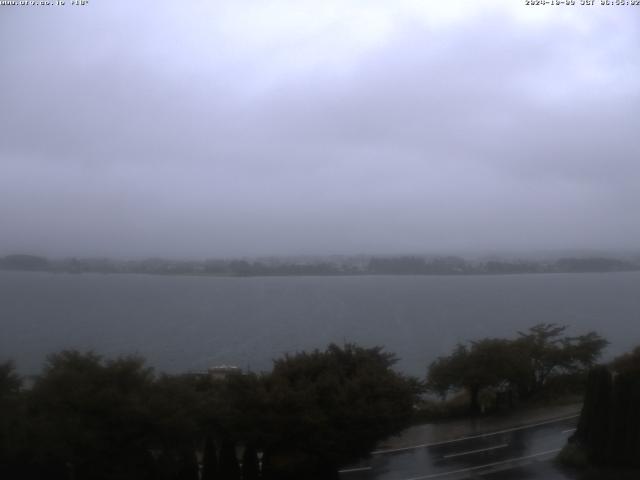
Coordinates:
(345, 267)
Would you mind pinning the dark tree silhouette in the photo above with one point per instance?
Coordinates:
(250, 463)
(609, 427)
(209, 460)
(524, 364)
(228, 466)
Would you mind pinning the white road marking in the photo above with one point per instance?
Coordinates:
(453, 455)
(487, 465)
(357, 469)
(471, 437)
(569, 430)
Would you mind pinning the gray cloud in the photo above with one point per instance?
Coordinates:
(154, 131)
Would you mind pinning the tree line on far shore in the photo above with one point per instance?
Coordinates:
(357, 265)
(88, 417)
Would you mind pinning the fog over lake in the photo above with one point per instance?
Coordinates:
(182, 323)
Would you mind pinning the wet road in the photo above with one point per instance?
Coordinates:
(512, 453)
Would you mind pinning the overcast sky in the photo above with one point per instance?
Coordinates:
(230, 128)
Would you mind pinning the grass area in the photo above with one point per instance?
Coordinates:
(457, 406)
(573, 460)
(572, 456)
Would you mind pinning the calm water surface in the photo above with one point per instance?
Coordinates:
(189, 323)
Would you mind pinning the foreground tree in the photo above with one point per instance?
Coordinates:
(524, 364)
(627, 362)
(13, 436)
(89, 416)
(482, 364)
(544, 350)
(333, 405)
(210, 460)
(10, 381)
(608, 432)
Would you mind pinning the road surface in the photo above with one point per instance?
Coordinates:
(505, 454)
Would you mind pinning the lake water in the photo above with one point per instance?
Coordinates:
(188, 323)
